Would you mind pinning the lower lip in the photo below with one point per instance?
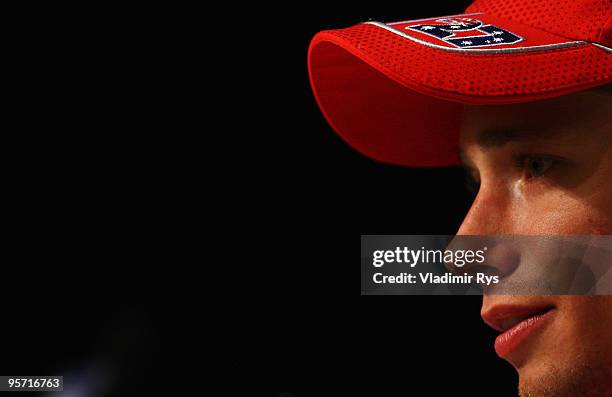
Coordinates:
(512, 338)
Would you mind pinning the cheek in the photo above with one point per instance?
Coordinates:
(589, 319)
(559, 213)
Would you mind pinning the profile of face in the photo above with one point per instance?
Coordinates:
(545, 168)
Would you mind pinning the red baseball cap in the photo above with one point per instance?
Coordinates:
(395, 91)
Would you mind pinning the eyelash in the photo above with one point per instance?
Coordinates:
(524, 162)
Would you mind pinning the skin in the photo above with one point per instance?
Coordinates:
(545, 168)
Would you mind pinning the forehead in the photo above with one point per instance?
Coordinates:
(584, 113)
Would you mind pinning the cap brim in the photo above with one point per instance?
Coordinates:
(395, 92)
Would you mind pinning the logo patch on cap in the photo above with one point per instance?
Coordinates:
(466, 32)
(476, 33)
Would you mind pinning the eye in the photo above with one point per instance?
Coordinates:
(536, 166)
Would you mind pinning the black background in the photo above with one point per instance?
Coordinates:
(119, 197)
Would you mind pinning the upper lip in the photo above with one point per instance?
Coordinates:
(504, 317)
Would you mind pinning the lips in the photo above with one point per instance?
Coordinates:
(516, 324)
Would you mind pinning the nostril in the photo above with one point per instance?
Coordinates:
(503, 260)
(498, 257)
(484, 269)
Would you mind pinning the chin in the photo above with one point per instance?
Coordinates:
(548, 384)
(564, 378)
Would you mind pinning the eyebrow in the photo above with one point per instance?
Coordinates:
(497, 137)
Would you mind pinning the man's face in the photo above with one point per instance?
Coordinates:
(545, 168)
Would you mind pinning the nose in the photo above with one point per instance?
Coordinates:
(502, 258)
(487, 215)
(494, 255)
(488, 218)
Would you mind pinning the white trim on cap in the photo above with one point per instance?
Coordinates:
(429, 19)
(603, 47)
(478, 50)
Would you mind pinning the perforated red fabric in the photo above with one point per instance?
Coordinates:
(578, 20)
(477, 78)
